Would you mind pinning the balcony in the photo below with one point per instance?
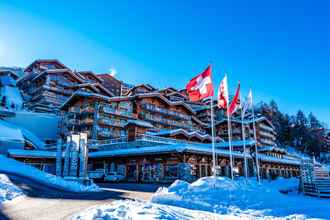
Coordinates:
(268, 135)
(110, 110)
(105, 133)
(168, 122)
(267, 128)
(266, 141)
(154, 108)
(109, 122)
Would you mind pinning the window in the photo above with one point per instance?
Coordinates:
(171, 171)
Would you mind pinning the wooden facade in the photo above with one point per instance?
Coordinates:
(47, 84)
(265, 131)
(187, 166)
(111, 83)
(105, 118)
(96, 115)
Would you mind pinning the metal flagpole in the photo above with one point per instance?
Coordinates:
(229, 137)
(213, 139)
(255, 139)
(244, 144)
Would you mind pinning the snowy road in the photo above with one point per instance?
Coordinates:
(43, 202)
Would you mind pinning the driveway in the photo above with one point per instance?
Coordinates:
(43, 203)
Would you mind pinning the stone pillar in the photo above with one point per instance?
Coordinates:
(74, 155)
(83, 156)
(67, 157)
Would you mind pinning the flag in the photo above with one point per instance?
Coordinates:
(247, 103)
(234, 105)
(200, 87)
(223, 94)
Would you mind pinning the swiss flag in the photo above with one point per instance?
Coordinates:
(223, 94)
(200, 87)
(235, 103)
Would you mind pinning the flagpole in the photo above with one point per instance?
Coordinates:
(213, 138)
(244, 144)
(255, 140)
(229, 138)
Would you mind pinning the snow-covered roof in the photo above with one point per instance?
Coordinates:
(236, 143)
(160, 149)
(184, 132)
(180, 148)
(32, 153)
(46, 61)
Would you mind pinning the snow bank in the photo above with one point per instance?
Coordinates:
(224, 196)
(128, 209)
(8, 165)
(8, 191)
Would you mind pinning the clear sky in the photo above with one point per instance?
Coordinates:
(279, 48)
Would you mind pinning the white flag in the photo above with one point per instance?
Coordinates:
(247, 104)
(223, 94)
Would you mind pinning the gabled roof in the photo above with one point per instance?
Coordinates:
(94, 86)
(107, 76)
(176, 93)
(13, 74)
(168, 89)
(83, 74)
(78, 94)
(58, 71)
(46, 61)
(147, 86)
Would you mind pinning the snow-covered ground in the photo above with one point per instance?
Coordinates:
(224, 196)
(8, 165)
(218, 198)
(136, 210)
(8, 190)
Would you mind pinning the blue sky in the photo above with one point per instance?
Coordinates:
(279, 48)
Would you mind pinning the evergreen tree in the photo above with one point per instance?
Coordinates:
(314, 123)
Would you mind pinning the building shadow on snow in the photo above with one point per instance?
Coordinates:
(32, 188)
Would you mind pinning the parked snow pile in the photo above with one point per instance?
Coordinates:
(226, 197)
(128, 209)
(8, 165)
(8, 191)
